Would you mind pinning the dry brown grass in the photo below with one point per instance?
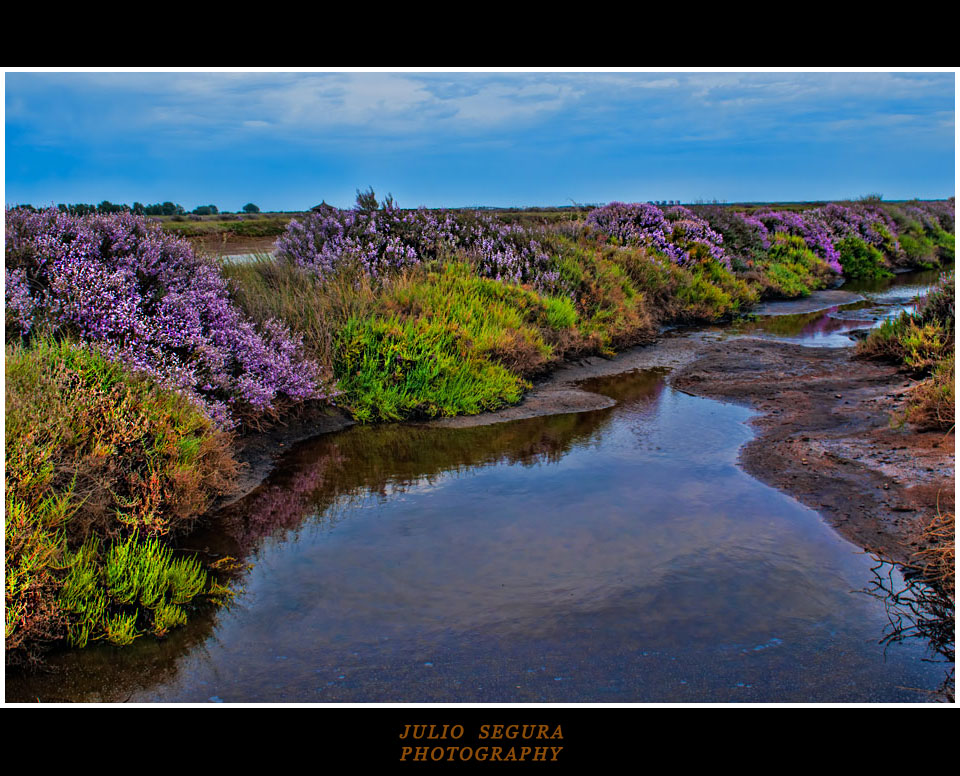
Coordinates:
(937, 562)
(932, 401)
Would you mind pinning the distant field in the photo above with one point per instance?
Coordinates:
(257, 225)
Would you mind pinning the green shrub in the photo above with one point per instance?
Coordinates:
(861, 260)
(93, 455)
(394, 368)
(790, 268)
(920, 250)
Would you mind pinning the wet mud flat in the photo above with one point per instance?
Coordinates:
(825, 437)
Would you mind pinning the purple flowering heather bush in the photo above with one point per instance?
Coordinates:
(143, 297)
(677, 233)
(638, 224)
(381, 242)
(694, 235)
(814, 233)
(866, 222)
(908, 235)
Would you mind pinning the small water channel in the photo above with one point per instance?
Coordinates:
(617, 555)
(835, 318)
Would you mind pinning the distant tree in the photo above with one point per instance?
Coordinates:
(165, 209)
(205, 210)
(139, 209)
(250, 208)
(78, 209)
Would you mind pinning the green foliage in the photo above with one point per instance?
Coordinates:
(447, 342)
(861, 260)
(790, 268)
(390, 368)
(946, 244)
(94, 454)
(920, 250)
(134, 587)
(918, 341)
(707, 291)
(560, 313)
(923, 343)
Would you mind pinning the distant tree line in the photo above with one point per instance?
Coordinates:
(160, 209)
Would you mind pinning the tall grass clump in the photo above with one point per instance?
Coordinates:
(266, 289)
(937, 564)
(791, 269)
(445, 342)
(94, 455)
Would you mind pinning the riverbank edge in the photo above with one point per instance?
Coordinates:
(822, 433)
(826, 434)
(554, 393)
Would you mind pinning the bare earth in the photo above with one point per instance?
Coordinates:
(825, 437)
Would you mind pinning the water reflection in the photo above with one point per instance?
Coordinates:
(917, 611)
(836, 326)
(615, 555)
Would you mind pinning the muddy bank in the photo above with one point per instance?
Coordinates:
(817, 301)
(554, 394)
(258, 451)
(559, 392)
(824, 436)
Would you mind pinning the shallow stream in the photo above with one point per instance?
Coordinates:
(618, 555)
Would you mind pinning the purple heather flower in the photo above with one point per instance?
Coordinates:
(144, 297)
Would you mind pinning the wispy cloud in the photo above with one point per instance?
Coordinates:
(501, 121)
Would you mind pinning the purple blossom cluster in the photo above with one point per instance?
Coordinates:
(933, 216)
(677, 233)
(382, 241)
(505, 252)
(635, 223)
(816, 235)
(690, 230)
(822, 228)
(759, 227)
(20, 305)
(867, 222)
(145, 298)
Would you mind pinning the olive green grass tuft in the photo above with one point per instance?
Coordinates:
(95, 457)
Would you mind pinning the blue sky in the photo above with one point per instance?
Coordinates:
(286, 141)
